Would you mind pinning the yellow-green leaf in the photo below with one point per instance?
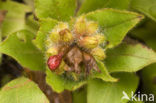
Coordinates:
(129, 57)
(148, 7)
(57, 9)
(15, 17)
(19, 46)
(99, 91)
(22, 90)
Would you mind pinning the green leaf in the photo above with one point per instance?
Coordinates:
(129, 57)
(30, 3)
(104, 75)
(119, 4)
(22, 90)
(148, 7)
(31, 24)
(99, 91)
(91, 5)
(59, 83)
(61, 10)
(46, 25)
(7, 78)
(149, 74)
(80, 96)
(114, 23)
(2, 16)
(0, 42)
(19, 46)
(146, 33)
(135, 102)
(15, 18)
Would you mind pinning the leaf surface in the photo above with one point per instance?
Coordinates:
(19, 46)
(148, 7)
(61, 10)
(129, 57)
(99, 91)
(91, 5)
(15, 17)
(22, 90)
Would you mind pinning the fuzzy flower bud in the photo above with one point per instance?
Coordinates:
(88, 42)
(48, 42)
(100, 38)
(92, 27)
(52, 51)
(98, 53)
(55, 37)
(61, 26)
(80, 26)
(65, 35)
(55, 34)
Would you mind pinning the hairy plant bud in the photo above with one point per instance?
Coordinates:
(61, 26)
(100, 38)
(80, 26)
(55, 37)
(55, 34)
(52, 51)
(88, 42)
(48, 42)
(98, 53)
(65, 35)
(54, 62)
(92, 27)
